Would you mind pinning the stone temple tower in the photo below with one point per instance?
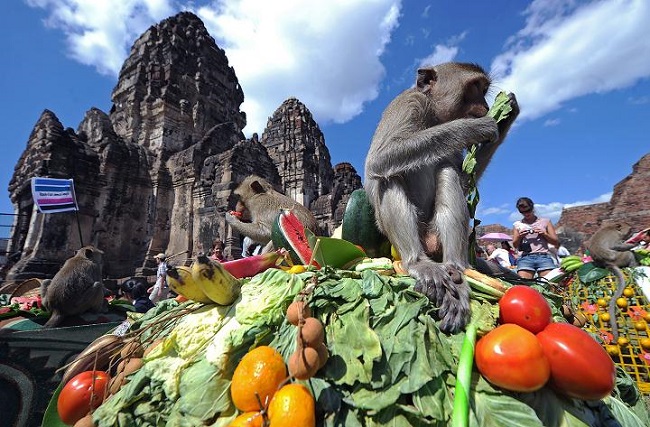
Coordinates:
(297, 146)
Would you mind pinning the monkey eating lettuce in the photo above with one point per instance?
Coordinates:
(415, 181)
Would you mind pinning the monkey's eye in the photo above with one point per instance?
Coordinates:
(482, 87)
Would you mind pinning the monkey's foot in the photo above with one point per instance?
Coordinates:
(443, 284)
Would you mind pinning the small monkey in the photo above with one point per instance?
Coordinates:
(607, 249)
(76, 288)
(262, 204)
(415, 182)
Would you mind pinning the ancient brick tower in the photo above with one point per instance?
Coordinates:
(157, 172)
(297, 146)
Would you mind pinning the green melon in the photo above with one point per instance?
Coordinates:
(289, 233)
(359, 226)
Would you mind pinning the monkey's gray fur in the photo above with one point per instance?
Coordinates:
(263, 204)
(608, 249)
(76, 288)
(415, 182)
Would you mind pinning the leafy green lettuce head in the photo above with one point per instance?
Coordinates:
(265, 298)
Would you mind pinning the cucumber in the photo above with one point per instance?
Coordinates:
(360, 228)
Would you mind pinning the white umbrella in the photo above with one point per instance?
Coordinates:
(496, 237)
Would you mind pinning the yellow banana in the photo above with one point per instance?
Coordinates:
(219, 285)
(180, 280)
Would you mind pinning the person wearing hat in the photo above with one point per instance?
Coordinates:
(160, 290)
(136, 291)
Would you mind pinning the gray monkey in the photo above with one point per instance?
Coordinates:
(607, 249)
(262, 204)
(76, 288)
(415, 182)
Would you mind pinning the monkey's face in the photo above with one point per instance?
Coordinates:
(243, 210)
(474, 102)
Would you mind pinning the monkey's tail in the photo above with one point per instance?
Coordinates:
(55, 320)
(612, 303)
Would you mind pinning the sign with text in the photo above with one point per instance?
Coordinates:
(53, 195)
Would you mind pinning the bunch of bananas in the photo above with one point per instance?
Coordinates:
(205, 281)
(571, 263)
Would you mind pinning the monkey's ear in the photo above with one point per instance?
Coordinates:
(426, 78)
(257, 187)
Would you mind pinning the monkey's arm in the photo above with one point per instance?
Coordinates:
(485, 152)
(392, 155)
(623, 247)
(257, 231)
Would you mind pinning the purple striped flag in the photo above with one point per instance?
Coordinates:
(53, 195)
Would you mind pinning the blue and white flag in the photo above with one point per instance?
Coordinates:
(53, 195)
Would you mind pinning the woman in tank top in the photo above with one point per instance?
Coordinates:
(531, 236)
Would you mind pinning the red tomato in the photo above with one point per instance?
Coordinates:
(524, 306)
(580, 367)
(510, 357)
(83, 392)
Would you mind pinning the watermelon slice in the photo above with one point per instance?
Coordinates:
(289, 233)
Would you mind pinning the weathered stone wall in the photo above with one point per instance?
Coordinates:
(297, 146)
(629, 204)
(157, 173)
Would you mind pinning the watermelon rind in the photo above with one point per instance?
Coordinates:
(333, 252)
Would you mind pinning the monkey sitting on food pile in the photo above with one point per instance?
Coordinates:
(76, 288)
(356, 339)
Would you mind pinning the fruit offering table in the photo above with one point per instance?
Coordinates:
(631, 311)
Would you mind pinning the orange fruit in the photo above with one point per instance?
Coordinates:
(640, 325)
(248, 419)
(292, 406)
(645, 343)
(259, 373)
(612, 350)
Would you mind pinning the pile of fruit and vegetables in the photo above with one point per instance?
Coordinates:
(318, 333)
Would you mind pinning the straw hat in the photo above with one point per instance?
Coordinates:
(160, 256)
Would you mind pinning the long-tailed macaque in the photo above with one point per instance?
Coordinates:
(259, 201)
(415, 182)
(608, 249)
(76, 288)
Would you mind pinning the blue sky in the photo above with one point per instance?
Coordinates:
(580, 70)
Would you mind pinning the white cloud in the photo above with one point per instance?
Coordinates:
(100, 33)
(327, 54)
(440, 54)
(283, 49)
(552, 122)
(639, 100)
(566, 52)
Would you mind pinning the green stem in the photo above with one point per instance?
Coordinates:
(460, 416)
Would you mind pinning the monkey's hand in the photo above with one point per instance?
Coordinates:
(232, 218)
(443, 284)
(481, 130)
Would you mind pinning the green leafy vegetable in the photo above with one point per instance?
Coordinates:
(499, 111)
